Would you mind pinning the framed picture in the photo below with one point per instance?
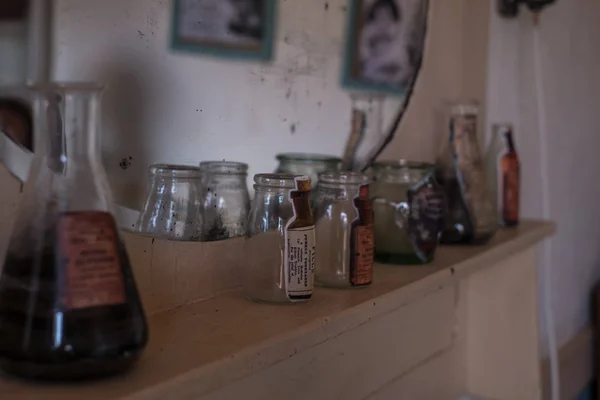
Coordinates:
(384, 45)
(228, 28)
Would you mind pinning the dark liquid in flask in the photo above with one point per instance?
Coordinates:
(46, 336)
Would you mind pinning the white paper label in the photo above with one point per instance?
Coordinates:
(299, 262)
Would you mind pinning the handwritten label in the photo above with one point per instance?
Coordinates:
(88, 243)
(364, 246)
(300, 262)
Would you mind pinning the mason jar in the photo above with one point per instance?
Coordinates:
(344, 223)
(226, 201)
(280, 247)
(172, 209)
(307, 164)
(409, 209)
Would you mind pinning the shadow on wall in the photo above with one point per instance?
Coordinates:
(125, 145)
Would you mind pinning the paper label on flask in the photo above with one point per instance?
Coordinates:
(92, 275)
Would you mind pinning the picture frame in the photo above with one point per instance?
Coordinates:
(238, 29)
(373, 25)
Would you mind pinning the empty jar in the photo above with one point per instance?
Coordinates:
(280, 249)
(226, 200)
(173, 205)
(409, 211)
(344, 223)
(307, 164)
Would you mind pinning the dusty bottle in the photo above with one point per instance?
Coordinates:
(307, 164)
(471, 216)
(510, 180)
(409, 208)
(69, 307)
(226, 201)
(344, 223)
(280, 249)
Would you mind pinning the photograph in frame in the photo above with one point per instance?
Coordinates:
(384, 45)
(226, 28)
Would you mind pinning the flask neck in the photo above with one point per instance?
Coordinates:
(68, 129)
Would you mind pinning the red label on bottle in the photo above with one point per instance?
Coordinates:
(511, 195)
(88, 245)
(363, 243)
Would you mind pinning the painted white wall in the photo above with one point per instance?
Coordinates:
(162, 106)
(565, 156)
(13, 52)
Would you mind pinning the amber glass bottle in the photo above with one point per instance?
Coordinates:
(511, 181)
(69, 307)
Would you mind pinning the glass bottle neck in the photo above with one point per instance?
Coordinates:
(69, 128)
(509, 142)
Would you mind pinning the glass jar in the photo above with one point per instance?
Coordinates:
(409, 207)
(69, 306)
(307, 164)
(226, 199)
(173, 206)
(344, 225)
(471, 216)
(280, 250)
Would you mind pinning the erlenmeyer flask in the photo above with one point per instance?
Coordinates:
(69, 307)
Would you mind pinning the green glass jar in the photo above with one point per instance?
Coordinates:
(409, 207)
(307, 164)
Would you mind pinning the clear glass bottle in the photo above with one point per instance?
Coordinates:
(471, 217)
(280, 250)
(173, 206)
(494, 151)
(307, 164)
(226, 199)
(69, 307)
(409, 209)
(344, 226)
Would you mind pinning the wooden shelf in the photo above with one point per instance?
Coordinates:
(204, 346)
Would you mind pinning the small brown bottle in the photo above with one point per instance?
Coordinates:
(511, 181)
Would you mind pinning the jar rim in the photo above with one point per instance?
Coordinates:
(175, 170)
(343, 178)
(402, 164)
(307, 157)
(277, 180)
(224, 167)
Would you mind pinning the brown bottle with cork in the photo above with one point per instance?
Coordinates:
(510, 181)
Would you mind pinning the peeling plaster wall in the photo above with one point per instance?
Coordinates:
(162, 106)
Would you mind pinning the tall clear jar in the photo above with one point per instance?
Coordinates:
(460, 170)
(173, 205)
(226, 200)
(281, 247)
(409, 207)
(307, 164)
(69, 306)
(344, 223)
